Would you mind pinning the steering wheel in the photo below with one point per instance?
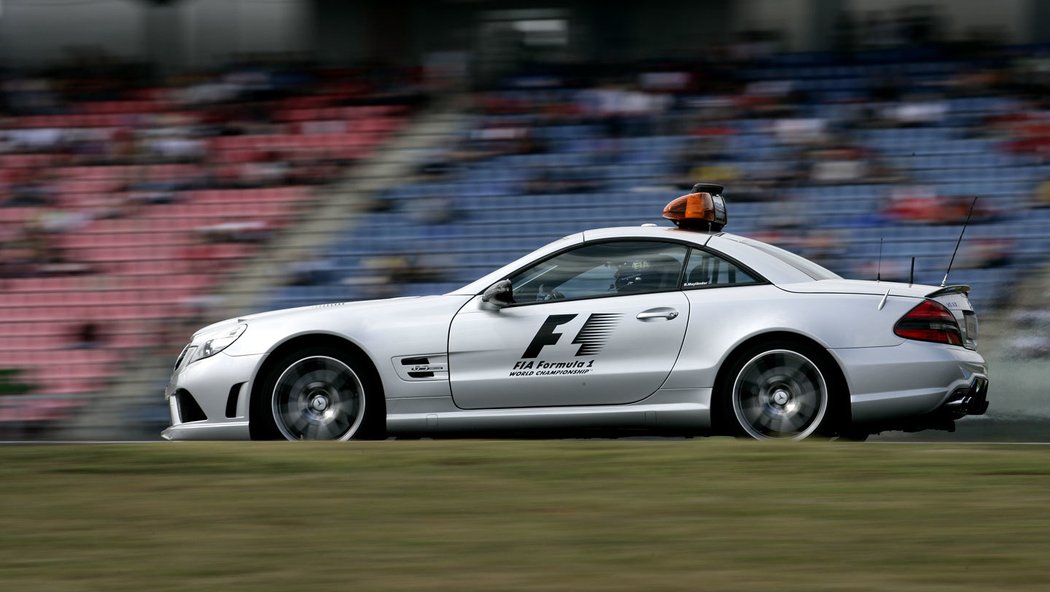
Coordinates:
(543, 294)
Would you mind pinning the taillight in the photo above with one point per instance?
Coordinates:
(929, 321)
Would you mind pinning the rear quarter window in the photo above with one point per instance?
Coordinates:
(798, 262)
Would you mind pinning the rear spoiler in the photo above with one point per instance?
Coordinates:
(958, 289)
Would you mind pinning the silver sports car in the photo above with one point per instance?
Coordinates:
(684, 330)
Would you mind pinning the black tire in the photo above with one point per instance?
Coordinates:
(780, 389)
(318, 393)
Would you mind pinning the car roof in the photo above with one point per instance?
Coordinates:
(649, 231)
(768, 266)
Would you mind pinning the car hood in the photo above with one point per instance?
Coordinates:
(313, 315)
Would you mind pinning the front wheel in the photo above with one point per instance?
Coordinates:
(778, 391)
(317, 394)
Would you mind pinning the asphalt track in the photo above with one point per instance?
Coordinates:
(980, 429)
(991, 430)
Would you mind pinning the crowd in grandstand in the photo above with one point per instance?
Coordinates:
(124, 197)
(818, 132)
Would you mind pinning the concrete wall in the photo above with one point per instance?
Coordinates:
(390, 31)
(195, 33)
(42, 32)
(341, 30)
(189, 33)
(792, 18)
(1010, 17)
(808, 24)
(217, 29)
(674, 29)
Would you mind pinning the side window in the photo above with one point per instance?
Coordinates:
(706, 270)
(602, 269)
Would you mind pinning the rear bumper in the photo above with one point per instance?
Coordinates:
(899, 384)
(969, 400)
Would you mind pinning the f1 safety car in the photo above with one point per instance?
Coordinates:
(683, 329)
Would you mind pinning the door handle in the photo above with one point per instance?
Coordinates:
(657, 313)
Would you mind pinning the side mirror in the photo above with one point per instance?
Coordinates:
(499, 294)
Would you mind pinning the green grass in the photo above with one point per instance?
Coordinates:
(528, 515)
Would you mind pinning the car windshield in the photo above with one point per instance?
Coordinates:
(798, 262)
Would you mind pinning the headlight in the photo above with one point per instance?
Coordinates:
(216, 342)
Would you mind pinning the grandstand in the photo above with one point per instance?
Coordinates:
(497, 213)
(134, 210)
(116, 250)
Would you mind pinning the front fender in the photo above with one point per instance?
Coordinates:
(383, 330)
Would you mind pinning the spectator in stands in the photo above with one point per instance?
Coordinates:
(31, 96)
(915, 203)
(312, 169)
(124, 145)
(754, 46)
(801, 130)
(561, 179)
(839, 165)
(89, 146)
(87, 335)
(433, 210)
(16, 253)
(921, 110)
(174, 143)
(35, 189)
(704, 157)
(424, 267)
(720, 169)
(986, 253)
(382, 275)
(270, 170)
(1027, 133)
(1042, 195)
(38, 251)
(306, 270)
(235, 231)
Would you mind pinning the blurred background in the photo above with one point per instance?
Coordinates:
(165, 164)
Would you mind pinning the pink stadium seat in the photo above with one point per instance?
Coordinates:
(150, 262)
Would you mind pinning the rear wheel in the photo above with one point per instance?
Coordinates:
(318, 393)
(778, 390)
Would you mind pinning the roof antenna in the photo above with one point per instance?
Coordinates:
(878, 271)
(911, 276)
(944, 282)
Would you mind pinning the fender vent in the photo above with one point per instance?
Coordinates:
(419, 363)
(231, 400)
(428, 367)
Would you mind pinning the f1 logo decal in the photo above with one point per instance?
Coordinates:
(546, 334)
(591, 337)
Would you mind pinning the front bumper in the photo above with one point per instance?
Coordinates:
(210, 398)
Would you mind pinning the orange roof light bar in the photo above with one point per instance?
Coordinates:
(703, 209)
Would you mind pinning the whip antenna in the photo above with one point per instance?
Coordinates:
(944, 282)
(878, 270)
